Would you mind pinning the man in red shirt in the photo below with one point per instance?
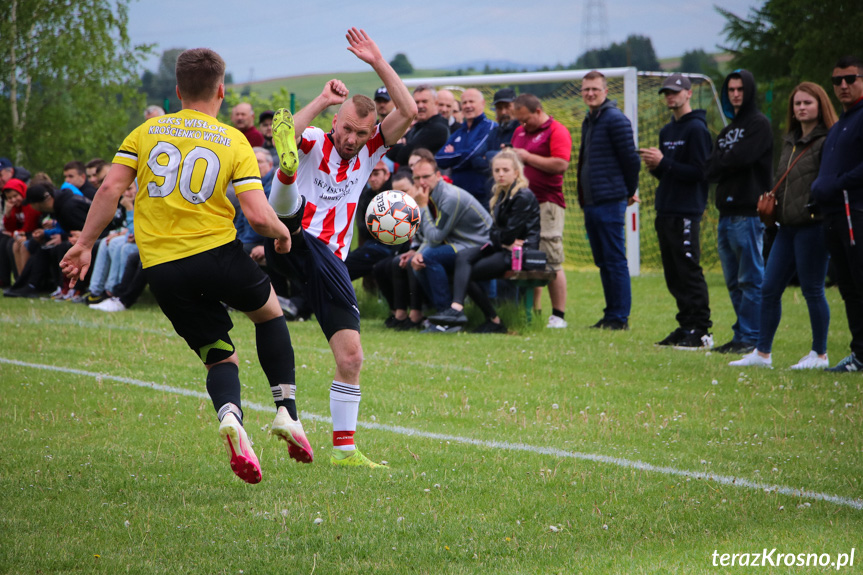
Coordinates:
(544, 145)
(243, 119)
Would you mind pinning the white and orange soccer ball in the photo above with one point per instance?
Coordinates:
(393, 217)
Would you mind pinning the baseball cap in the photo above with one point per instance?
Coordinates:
(382, 94)
(5, 163)
(17, 186)
(268, 115)
(676, 83)
(504, 95)
(37, 193)
(381, 165)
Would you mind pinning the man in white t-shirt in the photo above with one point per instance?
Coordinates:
(315, 192)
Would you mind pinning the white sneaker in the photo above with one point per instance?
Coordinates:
(811, 361)
(753, 359)
(556, 322)
(291, 430)
(112, 304)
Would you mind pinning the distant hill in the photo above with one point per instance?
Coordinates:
(480, 65)
(308, 86)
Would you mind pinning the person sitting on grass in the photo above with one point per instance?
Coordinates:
(516, 223)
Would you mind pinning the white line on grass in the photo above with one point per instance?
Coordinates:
(620, 462)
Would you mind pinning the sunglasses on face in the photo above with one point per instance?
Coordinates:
(849, 79)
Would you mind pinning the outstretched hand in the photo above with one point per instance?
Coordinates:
(76, 263)
(363, 46)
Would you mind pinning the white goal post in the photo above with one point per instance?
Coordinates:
(630, 109)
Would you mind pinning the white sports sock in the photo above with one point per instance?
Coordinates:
(344, 408)
(285, 195)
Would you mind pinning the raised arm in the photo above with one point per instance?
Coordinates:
(334, 93)
(397, 122)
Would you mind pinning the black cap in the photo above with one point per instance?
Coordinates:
(676, 83)
(382, 94)
(268, 115)
(504, 95)
(37, 193)
(5, 163)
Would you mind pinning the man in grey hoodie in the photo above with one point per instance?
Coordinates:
(452, 219)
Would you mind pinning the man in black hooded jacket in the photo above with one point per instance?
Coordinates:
(680, 163)
(742, 166)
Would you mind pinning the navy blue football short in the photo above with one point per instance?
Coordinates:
(324, 280)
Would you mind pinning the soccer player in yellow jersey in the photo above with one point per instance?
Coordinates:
(184, 163)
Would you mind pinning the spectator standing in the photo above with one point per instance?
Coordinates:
(265, 126)
(465, 151)
(429, 131)
(608, 167)
(800, 245)
(446, 104)
(501, 137)
(153, 112)
(742, 165)
(383, 103)
(839, 192)
(243, 119)
(544, 146)
(680, 163)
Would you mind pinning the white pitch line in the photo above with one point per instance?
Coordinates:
(554, 451)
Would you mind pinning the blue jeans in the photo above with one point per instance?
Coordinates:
(439, 261)
(802, 249)
(100, 269)
(740, 243)
(605, 231)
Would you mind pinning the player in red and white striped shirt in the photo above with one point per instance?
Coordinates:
(317, 201)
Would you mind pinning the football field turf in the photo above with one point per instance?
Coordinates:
(542, 451)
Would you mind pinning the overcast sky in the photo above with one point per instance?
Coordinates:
(262, 39)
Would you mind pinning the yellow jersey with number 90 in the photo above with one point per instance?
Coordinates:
(184, 163)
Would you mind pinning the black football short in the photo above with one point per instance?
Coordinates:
(324, 280)
(191, 290)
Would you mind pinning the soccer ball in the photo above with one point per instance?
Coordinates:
(393, 217)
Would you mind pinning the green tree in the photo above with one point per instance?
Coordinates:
(635, 51)
(68, 81)
(698, 62)
(787, 41)
(161, 84)
(401, 64)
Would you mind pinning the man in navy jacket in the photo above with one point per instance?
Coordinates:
(839, 193)
(608, 167)
(680, 163)
(465, 151)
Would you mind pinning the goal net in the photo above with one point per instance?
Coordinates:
(637, 95)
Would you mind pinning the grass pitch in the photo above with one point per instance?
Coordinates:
(101, 475)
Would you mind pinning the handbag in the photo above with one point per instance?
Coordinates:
(767, 201)
(533, 260)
